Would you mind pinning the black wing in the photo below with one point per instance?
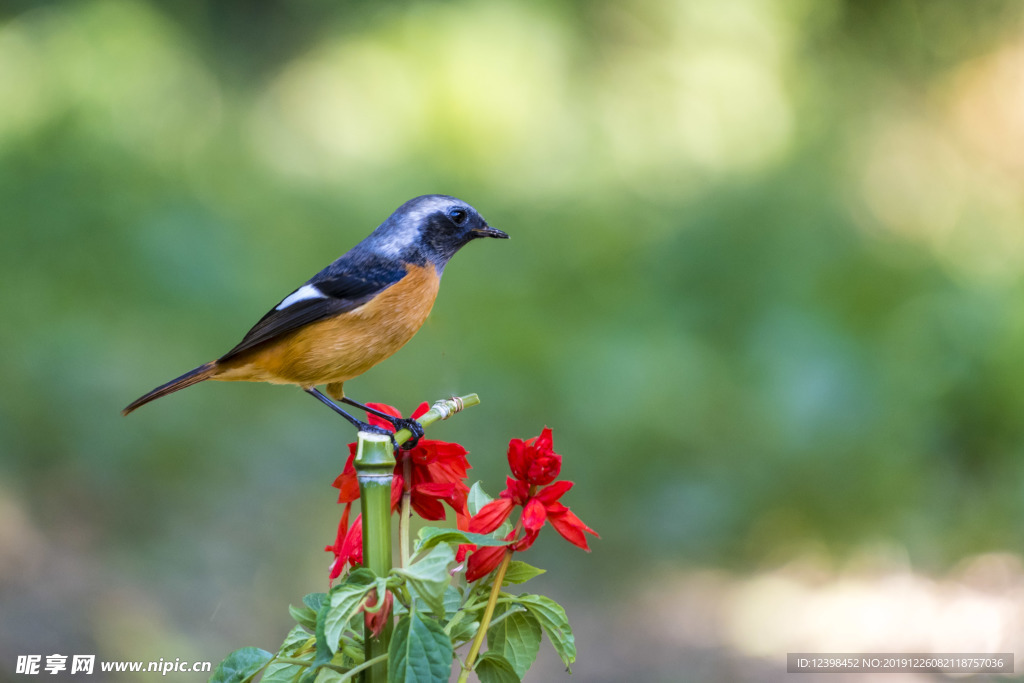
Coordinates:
(342, 293)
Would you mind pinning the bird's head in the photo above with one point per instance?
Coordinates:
(431, 227)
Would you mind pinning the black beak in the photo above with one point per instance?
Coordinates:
(488, 231)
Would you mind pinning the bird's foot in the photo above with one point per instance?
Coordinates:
(399, 424)
(413, 426)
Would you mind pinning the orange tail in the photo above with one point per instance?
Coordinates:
(188, 379)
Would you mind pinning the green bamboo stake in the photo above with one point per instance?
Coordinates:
(375, 466)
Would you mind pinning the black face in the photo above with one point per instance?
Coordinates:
(453, 226)
(472, 225)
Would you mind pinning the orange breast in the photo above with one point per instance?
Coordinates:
(345, 346)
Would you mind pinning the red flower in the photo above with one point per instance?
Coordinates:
(348, 547)
(535, 466)
(534, 461)
(438, 472)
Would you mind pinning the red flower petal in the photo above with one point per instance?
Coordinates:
(464, 548)
(491, 516)
(483, 561)
(544, 468)
(571, 527)
(346, 482)
(421, 410)
(446, 465)
(435, 490)
(534, 515)
(348, 548)
(342, 530)
(427, 507)
(517, 458)
(397, 488)
(544, 442)
(337, 567)
(459, 501)
(453, 494)
(379, 421)
(526, 541)
(352, 548)
(515, 490)
(550, 494)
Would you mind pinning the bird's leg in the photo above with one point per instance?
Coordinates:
(399, 422)
(360, 425)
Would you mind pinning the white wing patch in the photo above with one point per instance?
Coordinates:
(301, 294)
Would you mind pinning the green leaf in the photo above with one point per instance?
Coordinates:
(429, 576)
(345, 601)
(450, 602)
(420, 651)
(297, 636)
(241, 665)
(552, 617)
(328, 676)
(431, 567)
(430, 536)
(304, 616)
(323, 653)
(431, 593)
(351, 651)
(477, 498)
(280, 672)
(520, 572)
(362, 575)
(517, 639)
(314, 601)
(464, 631)
(493, 668)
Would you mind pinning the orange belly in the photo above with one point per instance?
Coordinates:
(345, 346)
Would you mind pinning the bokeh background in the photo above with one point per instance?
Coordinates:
(764, 283)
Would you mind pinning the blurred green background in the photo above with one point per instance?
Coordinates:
(764, 283)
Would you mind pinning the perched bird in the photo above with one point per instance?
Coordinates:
(354, 313)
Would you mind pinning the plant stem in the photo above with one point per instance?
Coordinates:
(379, 659)
(485, 622)
(405, 518)
(292, 660)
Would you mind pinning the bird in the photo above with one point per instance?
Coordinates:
(354, 313)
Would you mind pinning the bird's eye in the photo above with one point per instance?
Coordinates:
(458, 216)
